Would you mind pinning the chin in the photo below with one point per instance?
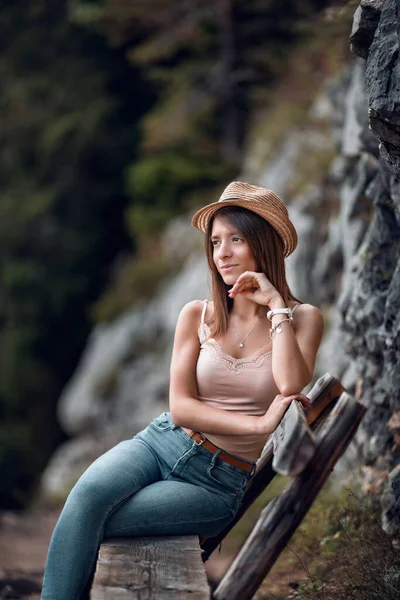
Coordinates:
(229, 278)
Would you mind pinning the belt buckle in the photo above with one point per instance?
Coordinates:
(202, 441)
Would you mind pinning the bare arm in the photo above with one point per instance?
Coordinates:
(294, 351)
(187, 410)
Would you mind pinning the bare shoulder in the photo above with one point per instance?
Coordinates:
(308, 315)
(193, 308)
(305, 308)
(190, 315)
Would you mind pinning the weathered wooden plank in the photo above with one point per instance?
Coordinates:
(293, 442)
(150, 568)
(323, 396)
(281, 517)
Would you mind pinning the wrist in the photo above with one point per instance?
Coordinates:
(277, 302)
(261, 426)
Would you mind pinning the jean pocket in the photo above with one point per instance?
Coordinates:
(163, 422)
(229, 479)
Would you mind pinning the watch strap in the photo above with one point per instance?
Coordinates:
(280, 311)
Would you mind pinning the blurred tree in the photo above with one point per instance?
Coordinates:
(68, 126)
(208, 55)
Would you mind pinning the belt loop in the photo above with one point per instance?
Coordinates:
(215, 456)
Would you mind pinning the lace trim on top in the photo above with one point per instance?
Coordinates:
(236, 365)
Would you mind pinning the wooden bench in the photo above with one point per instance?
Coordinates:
(155, 568)
(306, 445)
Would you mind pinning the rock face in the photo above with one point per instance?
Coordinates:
(350, 215)
(370, 308)
(375, 37)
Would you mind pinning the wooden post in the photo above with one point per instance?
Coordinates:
(281, 517)
(293, 442)
(323, 396)
(150, 568)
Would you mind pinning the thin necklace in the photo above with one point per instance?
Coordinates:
(241, 343)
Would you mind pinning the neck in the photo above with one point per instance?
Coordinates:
(247, 310)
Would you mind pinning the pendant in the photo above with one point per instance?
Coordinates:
(241, 344)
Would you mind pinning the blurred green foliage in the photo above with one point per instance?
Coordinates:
(345, 551)
(159, 185)
(68, 126)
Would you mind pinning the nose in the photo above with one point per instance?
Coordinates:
(225, 248)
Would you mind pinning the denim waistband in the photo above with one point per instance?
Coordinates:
(200, 447)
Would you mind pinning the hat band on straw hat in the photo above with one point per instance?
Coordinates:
(257, 199)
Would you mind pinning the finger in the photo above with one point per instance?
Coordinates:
(239, 284)
(245, 286)
(281, 398)
(298, 397)
(286, 401)
(305, 402)
(245, 291)
(303, 398)
(284, 405)
(248, 277)
(242, 288)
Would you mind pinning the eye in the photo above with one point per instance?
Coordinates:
(235, 237)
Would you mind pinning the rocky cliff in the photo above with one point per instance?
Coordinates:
(370, 307)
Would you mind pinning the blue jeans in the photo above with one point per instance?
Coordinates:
(161, 482)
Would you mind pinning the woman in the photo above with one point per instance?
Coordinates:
(237, 363)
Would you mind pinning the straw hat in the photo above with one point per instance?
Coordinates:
(257, 199)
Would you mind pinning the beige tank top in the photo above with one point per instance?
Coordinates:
(245, 385)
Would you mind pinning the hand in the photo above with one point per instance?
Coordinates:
(256, 287)
(270, 421)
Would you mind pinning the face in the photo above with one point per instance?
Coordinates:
(230, 248)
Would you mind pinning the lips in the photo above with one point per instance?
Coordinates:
(228, 267)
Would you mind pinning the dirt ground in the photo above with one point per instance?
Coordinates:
(24, 540)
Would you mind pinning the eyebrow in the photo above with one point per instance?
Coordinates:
(229, 233)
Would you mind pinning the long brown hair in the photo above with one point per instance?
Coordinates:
(267, 248)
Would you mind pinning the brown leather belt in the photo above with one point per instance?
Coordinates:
(200, 439)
